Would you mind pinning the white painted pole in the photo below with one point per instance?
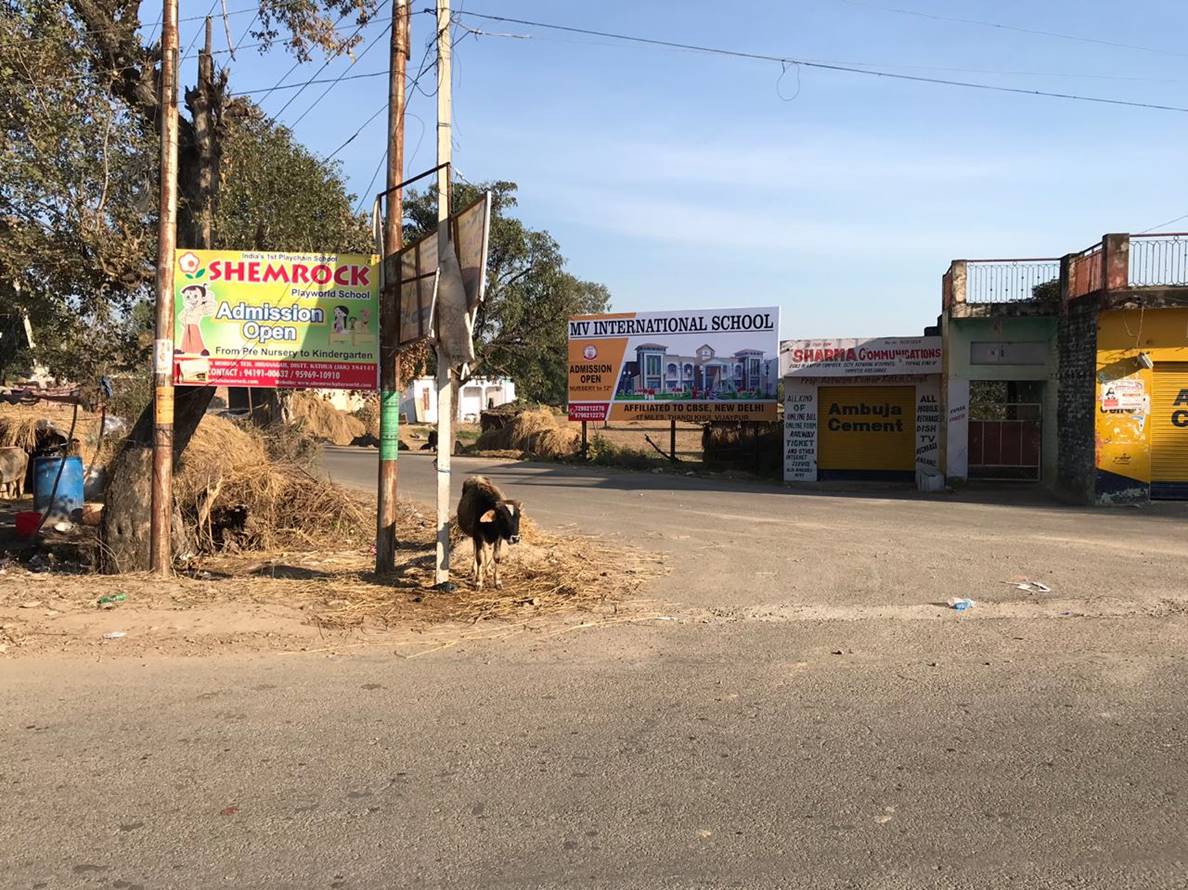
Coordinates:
(445, 392)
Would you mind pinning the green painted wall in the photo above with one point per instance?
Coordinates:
(960, 333)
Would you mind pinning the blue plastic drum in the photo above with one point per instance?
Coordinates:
(70, 487)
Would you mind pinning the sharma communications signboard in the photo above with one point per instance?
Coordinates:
(695, 365)
(258, 318)
(852, 357)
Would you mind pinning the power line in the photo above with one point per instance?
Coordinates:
(340, 77)
(1162, 224)
(120, 27)
(243, 36)
(199, 31)
(870, 72)
(325, 64)
(408, 89)
(294, 86)
(1021, 30)
(297, 64)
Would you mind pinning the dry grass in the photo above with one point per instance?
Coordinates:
(23, 426)
(227, 467)
(545, 574)
(315, 417)
(536, 431)
(547, 578)
(369, 416)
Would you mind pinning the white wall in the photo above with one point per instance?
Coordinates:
(421, 394)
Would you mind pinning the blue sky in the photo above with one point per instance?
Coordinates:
(683, 180)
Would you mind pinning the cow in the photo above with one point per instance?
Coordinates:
(489, 519)
(14, 463)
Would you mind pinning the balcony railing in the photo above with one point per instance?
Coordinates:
(1159, 260)
(1086, 271)
(1114, 264)
(1008, 281)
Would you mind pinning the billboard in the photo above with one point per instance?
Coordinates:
(849, 357)
(413, 271)
(258, 318)
(695, 365)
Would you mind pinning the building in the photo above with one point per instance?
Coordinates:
(418, 402)
(999, 322)
(1123, 344)
(862, 409)
(703, 375)
(1071, 371)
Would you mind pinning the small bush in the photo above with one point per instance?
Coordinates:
(607, 454)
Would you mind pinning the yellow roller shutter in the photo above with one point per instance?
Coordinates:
(1169, 423)
(866, 428)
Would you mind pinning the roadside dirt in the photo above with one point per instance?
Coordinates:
(323, 600)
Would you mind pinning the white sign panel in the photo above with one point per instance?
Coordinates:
(800, 432)
(849, 357)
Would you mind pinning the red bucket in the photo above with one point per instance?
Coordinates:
(27, 522)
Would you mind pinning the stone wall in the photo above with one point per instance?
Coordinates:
(1076, 435)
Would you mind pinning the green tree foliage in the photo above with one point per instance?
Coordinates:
(78, 192)
(520, 328)
(77, 231)
(276, 195)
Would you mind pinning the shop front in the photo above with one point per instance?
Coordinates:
(1141, 404)
(861, 409)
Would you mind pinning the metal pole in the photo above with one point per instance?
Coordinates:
(445, 393)
(672, 440)
(585, 441)
(385, 532)
(160, 555)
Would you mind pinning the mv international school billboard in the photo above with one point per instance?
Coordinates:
(258, 318)
(694, 365)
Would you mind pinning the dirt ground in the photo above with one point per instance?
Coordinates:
(631, 434)
(634, 434)
(318, 600)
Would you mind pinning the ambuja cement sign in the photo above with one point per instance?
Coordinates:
(850, 357)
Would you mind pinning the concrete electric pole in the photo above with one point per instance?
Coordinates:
(385, 538)
(445, 392)
(160, 550)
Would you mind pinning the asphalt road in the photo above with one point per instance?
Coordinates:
(814, 716)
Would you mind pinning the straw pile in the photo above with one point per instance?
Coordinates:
(369, 416)
(237, 493)
(315, 417)
(534, 430)
(28, 426)
(545, 574)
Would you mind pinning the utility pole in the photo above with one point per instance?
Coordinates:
(160, 551)
(385, 534)
(445, 392)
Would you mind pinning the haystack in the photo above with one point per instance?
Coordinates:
(315, 417)
(534, 430)
(233, 491)
(33, 426)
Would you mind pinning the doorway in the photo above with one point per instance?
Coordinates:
(1006, 430)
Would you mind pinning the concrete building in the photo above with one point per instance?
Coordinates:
(1072, 371)
(418, 402)
(999, 322)
(1123, 342)
(862, 409)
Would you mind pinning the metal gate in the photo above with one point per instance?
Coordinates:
(1006, 442)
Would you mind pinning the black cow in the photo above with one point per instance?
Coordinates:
(489, 519)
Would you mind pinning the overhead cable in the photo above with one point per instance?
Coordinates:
(823, 66)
